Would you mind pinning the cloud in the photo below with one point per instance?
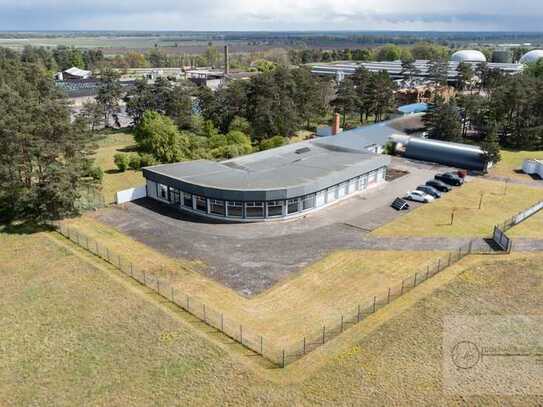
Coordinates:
(523, 15)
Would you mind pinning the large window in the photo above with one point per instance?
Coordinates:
(187, 199)
(321, 198)
(217, 207)
(275, 208)
(235, 209)
(372, 178)
(293, 206)
(254, 209)
(382, 174)
(363, 182)
(175, 196)
(342, 189)
(353, 185)
(201, 203)
(162, 192)
(308, 202)
(331, 194)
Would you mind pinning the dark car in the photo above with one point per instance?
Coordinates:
(450, 178)
(440, 186)
(427, 189)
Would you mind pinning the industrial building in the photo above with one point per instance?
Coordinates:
(280, 183)
(457, 155)
(394, 68)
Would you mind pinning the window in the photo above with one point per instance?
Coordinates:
(235, 209)
(187, 200)
(372, 178)
(217, 207)
(308, 202)
(321, 198)
(363, 182)
(353, 185)
(342, 190)
(382, 174)
(175, 196)
(293, 206)
(201, 203)
(162, 191)
(254, 209)
(331, 194)
(275, 208)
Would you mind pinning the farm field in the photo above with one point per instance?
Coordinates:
(297, 306)
(435, 219)
(71, 323)
(114, 180)
(512, 161)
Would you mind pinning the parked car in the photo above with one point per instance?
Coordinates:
(450, 178)
(440, 186)
(419, 196)
(429, 190)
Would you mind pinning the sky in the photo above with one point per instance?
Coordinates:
(240, 15)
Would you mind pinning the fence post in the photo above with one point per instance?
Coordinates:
(342, 323)
(261, 345)
(304, 345)
(427, 271)
(132, 271)
(172, 296)
(158, 285)
(188, 303)
(222, 322)
(144, 278)
(401, 291)
(470, 246)
(241, 334)
(388, 298)
(323, 333)
(283, 358)
(204, 308)
(438, 265)
(374, 300)
(358, 314)
(415, 283)
(450, 255)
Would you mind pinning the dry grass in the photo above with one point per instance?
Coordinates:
(76, 334)
(114, 180)
(435, 219)
(530, 228)
(512, 162)
(296, 307)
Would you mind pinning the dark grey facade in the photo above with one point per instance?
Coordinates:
(457, 155)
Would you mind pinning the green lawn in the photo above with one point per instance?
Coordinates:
(512, 161)
(76, 333)
(115, 180)
(435, 219)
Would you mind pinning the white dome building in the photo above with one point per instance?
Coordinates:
(468, 55)
(532, 56)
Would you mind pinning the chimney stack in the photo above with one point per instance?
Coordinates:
(335, 125)
(226, 60)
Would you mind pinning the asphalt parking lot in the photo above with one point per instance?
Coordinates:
(251, 258)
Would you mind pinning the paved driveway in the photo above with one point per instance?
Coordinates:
(251, 258)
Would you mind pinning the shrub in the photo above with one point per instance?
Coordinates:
(96, 174)
(275, 141)
(121, 161)
(147, 160)
(134, 162)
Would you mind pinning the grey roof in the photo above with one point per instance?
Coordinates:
(363, 137)
(286, 172)
(453, 154)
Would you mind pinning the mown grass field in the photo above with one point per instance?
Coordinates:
(499, 202)
(75, 332)
(114, 180)
(296, 307)
(512, 161)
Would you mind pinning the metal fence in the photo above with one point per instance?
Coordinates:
(521, 216)
(211, 317)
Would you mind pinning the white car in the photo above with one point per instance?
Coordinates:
(419, 196)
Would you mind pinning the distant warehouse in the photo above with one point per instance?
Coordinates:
(284, 182)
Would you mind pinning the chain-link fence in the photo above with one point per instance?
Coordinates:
(279, 355)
